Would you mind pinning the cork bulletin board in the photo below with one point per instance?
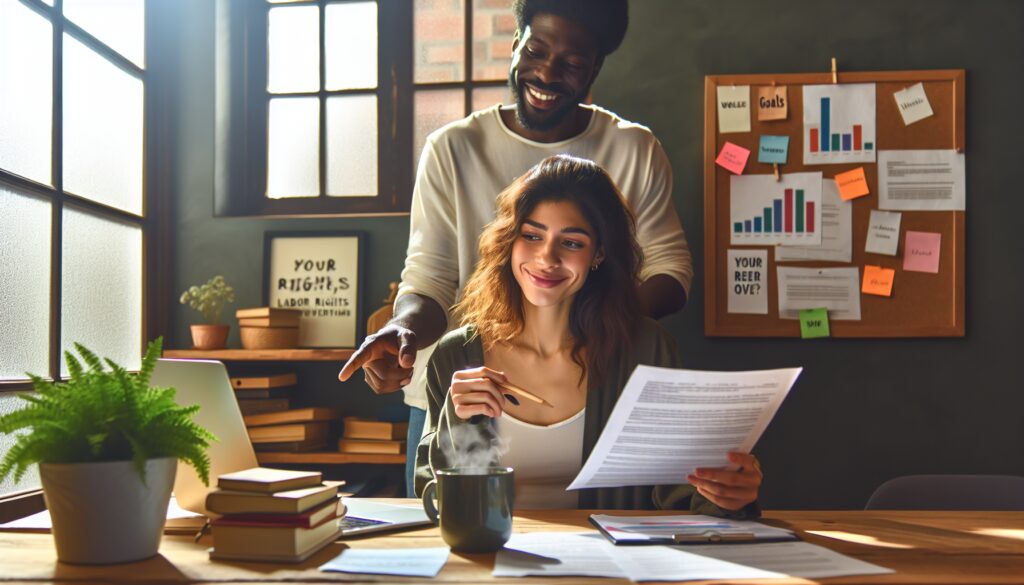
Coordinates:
(921, 304)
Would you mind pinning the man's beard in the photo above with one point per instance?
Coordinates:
(553, 117)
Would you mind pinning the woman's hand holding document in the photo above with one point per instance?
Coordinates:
(669, 423)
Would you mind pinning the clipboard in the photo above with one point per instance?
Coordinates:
(686, 529)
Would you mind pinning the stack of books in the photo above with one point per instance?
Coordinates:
(258, 394)
(372, 436)
(268, 327)
(299, 429)
(273, 515)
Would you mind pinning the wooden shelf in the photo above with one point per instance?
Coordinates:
(261, 355)
(331, 457)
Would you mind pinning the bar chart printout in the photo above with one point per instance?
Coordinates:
(763, 211)
(839, 123)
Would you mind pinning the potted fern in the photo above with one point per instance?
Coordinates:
(209, 299)
(107, 445)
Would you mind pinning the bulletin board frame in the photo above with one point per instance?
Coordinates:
(921, 304)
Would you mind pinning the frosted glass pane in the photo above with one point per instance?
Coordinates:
(293, 45)
(119, 24)
(26, 91)
(352, 146)
(24, 285)
(102, 129)
(350, 45)
(484, 97)
(9, 403)
(433, 109)
(293, 151)
(439, 43)
(101, 288)
(494, 27)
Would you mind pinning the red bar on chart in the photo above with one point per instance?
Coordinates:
(789, 210)
(813, 142)
(857, 137)
(810, 217)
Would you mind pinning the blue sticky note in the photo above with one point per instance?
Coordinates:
(773, 149)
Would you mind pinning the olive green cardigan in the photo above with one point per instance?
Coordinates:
(652, 345)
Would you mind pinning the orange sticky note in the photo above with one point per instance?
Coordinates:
(878, 281)
(733, 158)
(852, 184)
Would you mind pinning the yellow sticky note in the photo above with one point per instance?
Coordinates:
(878, 281)
(852, 184)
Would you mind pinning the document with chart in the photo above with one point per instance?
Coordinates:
(669, 422)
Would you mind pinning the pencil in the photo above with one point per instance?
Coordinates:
(525, 394)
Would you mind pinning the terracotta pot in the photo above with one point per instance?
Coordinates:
(210, 336)
(103, 512)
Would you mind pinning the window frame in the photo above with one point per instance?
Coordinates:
(154, 222)
(243, 103)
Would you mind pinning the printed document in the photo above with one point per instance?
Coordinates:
(836, 231)
(555, 554)
(835, 289)
(928, 180)
(669, 422)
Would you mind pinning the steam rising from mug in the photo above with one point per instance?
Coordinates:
(473, 447)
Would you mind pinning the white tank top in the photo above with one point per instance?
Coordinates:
(545, 458)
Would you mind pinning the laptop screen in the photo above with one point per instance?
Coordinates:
(206, 383)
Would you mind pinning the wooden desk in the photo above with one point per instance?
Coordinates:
(923, 548)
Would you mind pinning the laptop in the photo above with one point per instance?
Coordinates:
(206, 383)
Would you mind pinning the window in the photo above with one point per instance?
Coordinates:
(75, 219)
(335, 97)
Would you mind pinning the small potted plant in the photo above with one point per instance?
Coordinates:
(209, 299)
(108, 446)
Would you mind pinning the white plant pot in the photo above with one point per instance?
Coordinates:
(103, 513)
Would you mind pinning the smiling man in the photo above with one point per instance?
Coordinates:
(558, 51)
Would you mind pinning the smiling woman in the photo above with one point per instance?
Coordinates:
(553, 307)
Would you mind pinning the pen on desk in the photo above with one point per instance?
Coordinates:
(713, 536)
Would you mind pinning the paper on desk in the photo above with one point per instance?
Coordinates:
(408, 562)
(835, 289)
(42, 521)
(921, 180)
(555, 554)
(668, 422)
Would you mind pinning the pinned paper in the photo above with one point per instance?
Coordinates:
(773, 150)
(913, 104)
(748, 281)
(733, 108)
(733, 158)
(814, 323)
(772, 103)
(921, 252)
(878, 281)
(852, 184)
(883, 232)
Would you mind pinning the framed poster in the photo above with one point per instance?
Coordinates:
(320, 273)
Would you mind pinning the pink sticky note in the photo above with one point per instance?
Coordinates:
(733, 158)
(921, 252)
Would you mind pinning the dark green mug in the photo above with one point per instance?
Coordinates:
(474, 507)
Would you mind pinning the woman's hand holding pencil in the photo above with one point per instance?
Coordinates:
(483, 391)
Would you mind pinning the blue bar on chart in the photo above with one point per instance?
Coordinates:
(791, 213)
(847, 142)
(746, 226)
(826, 119)
(757, 225)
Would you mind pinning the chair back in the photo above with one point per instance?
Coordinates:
(949, 492)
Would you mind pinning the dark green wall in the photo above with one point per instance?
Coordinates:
(864, 410)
